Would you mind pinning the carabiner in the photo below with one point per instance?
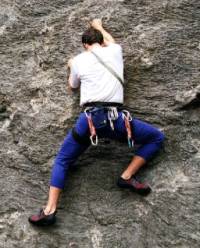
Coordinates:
(94, 141)
(86, 112)
(127, 115)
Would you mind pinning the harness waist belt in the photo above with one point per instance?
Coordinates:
(103, 104)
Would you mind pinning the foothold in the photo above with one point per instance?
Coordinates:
(189, 99)
(3, 114)
(146, 62)
(2, 108)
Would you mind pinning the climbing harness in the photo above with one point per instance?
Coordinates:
(127, 119)
(112, 115)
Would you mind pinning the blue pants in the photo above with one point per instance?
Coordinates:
(149, 139)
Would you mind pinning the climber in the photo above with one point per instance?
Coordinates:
(99, 73)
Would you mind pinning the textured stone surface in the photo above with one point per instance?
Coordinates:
(161, 42)
(189, 99)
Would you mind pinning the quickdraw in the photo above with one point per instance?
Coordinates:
(112, 116)
(93, 135)
(127, 119)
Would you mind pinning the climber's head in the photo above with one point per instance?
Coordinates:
(92, 36)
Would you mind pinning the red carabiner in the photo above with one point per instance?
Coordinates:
(128, 129)
(93, 135)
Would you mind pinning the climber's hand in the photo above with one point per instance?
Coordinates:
(96, 23)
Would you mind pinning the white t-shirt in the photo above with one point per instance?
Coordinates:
(97, 84)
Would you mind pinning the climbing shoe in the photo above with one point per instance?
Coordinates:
(41, 219)
(135, 185)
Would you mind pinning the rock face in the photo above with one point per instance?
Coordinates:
(161, 43)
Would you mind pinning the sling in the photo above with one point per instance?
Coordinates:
(108, 68)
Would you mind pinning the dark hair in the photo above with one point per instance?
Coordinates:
(91, 36)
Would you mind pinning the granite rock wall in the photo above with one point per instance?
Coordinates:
(161, 44)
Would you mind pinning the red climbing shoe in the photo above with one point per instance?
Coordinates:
(41, 219)
(135, 185)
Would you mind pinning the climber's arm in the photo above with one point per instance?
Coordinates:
(73, 80)
(97, 24)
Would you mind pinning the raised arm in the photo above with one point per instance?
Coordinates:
(97, 24)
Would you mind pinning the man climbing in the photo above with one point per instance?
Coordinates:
(99, 73)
